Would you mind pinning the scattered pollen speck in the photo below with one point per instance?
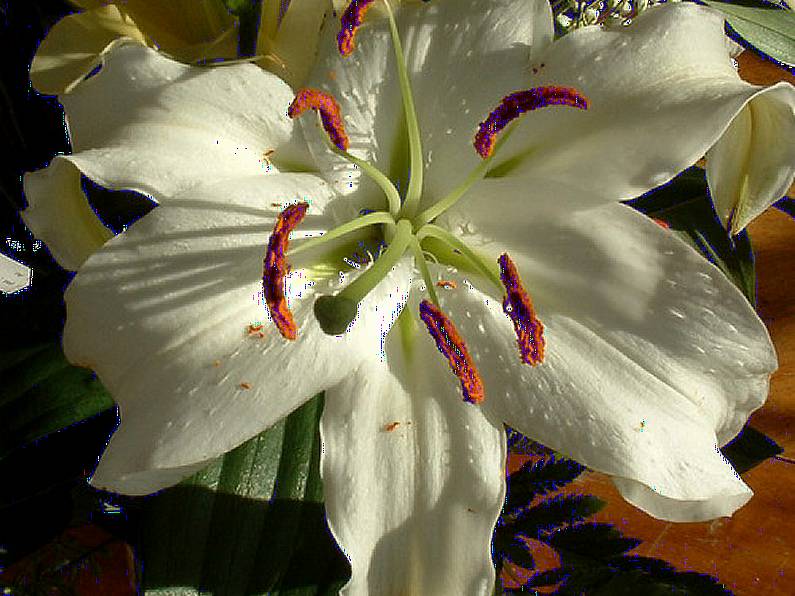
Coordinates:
(448, 284)
(245, 385)
(391, 426)
(216, 363)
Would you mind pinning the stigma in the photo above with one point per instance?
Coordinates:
(275, 269)
(452, 346)
(330, 115)
(519, 308)
(514, 105)
(351, 20)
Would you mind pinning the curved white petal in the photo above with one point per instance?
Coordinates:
(162, 313)
(173, 126)
(413, 477)
(753, 163)
(463, 57)
(662, 91)
(653, 357)
(58, 213)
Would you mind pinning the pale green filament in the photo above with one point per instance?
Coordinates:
(478, 173)
(489, 270)
(414, 190)
(371, 219)
(422, 265)
(376, 175)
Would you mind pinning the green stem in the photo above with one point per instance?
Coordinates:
(414, 190)
(371, 219)
(422, 265)
(376, 175)
(361, 286)
(491, 272)
(459, 191)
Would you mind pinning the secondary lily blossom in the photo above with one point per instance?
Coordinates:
(434, 291)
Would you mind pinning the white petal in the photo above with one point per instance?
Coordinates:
(653, 357)
(162, 312)
(412, 504)
(58, 213)
(173, 126)
(753, 163)
(662, 92)
(463, 58)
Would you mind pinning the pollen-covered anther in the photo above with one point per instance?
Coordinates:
(350, 22)
(452, 346)
(276, 268)
(514, 105)
(519, 308)
(330, 115)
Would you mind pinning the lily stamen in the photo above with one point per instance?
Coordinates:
(519, 308)
(329, 110)
(350, 22)
(452, 346)
(514, 105)
(275, 269)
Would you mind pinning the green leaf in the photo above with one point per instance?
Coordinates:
(767, 27)
(685, 206)
(749, 449)
(40, 393)
(552, 514)
(538, 477)
(594, 541)
(251, 523)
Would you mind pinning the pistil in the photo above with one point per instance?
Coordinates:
(336, 313)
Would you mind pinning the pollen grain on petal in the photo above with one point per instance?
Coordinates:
(350, 22)
(452, 346)
(276, 268)
(514, 105)
(330, 114)
(519, 308)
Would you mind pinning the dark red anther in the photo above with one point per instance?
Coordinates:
(330, 115)
(275, 269)
(452, 346)
(516, 104)
(351, 20)
(519, 308)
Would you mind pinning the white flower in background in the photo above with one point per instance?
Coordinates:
(622, 348)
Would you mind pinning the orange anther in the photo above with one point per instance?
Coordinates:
(329, 109)
(519, 308)
(276, 268)
(350, 22)
(452, 346)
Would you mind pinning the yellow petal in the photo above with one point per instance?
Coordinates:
(290, 49)
(72, 47)
(60, 215)
(188, 30)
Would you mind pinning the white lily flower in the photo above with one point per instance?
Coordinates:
(648, 358)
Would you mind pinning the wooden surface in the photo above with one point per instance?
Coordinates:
(751, 552)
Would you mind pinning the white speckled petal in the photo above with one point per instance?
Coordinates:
(463, 57)
(162, 314)
(661, 92)
(413, 476)
(653, 357)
